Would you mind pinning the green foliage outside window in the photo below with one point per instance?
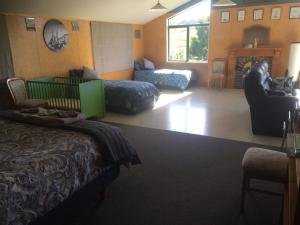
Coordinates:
(199, 44)
(188, 33)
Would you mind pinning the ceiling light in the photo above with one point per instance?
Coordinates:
(222, 3)
(158, 7)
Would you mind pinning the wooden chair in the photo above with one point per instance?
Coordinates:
(19, 93)
(218, 72)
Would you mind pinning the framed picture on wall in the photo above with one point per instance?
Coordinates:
(30, 24)
(75, 25)
(55, 35)
(241, 15)
(258, 14)
(295, 12)
(225, 16)
(276, 13)
(137, 34)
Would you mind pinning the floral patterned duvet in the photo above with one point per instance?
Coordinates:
(166, 78)
(40, 167)
(129, 96)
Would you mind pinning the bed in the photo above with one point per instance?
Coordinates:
(43, 167)
(130, 97)
(164, 78)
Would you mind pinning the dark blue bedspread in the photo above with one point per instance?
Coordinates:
(129, 96)
(166, 78)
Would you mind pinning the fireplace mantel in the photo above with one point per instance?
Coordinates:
(234, 53)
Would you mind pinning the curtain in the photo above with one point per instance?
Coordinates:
(112, 46)
(6, 64)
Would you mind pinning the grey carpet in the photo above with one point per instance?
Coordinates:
(184, 179)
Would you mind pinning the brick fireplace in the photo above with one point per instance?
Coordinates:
(241, 58)
(244, 63)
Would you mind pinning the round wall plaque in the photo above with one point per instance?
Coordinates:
(55, 35)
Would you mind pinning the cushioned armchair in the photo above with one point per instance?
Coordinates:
(268, 107)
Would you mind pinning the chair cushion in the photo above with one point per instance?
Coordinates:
(266, 164)
(31, 103)
(217, 75)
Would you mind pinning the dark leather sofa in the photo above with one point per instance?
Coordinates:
(269, 105)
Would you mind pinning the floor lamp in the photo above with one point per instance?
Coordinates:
(294, 61)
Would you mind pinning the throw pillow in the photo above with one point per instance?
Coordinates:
(90, 73)
(139, 65)
(76, 73)
(149, 65)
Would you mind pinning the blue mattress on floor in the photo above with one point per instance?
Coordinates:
(166, 78)
(127, 96)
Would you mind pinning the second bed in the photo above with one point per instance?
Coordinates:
(130, 97)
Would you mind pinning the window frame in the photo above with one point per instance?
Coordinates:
(187, 60)
(187, 45)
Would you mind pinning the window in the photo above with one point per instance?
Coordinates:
(188, 34)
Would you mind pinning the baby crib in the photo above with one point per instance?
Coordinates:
(86, 96)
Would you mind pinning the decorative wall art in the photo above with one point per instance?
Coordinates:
(75, 26)
(137, 34)
(295, 12)
(225, 16)
(276, 13)
(241, 15)
(55, 35)
(258, 14)
(30, 24)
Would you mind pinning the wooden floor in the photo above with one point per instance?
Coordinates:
(222, 113)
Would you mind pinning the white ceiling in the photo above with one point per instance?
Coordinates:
(118, 11)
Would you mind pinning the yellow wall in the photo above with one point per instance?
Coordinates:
(138, 44)
(118, 75)
(224, 36)
(155, 40)
(33, 59)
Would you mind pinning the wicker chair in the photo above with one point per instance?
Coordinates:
(19, 93)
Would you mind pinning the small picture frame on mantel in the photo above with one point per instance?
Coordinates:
(241, 15)
(225, 16)
(295, 12)
(276, 13)
(258, 14)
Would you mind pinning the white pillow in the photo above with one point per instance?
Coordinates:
(149, 65)
(90, 73)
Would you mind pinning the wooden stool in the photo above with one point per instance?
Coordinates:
(263, 164)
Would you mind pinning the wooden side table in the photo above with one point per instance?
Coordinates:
(291, 210)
